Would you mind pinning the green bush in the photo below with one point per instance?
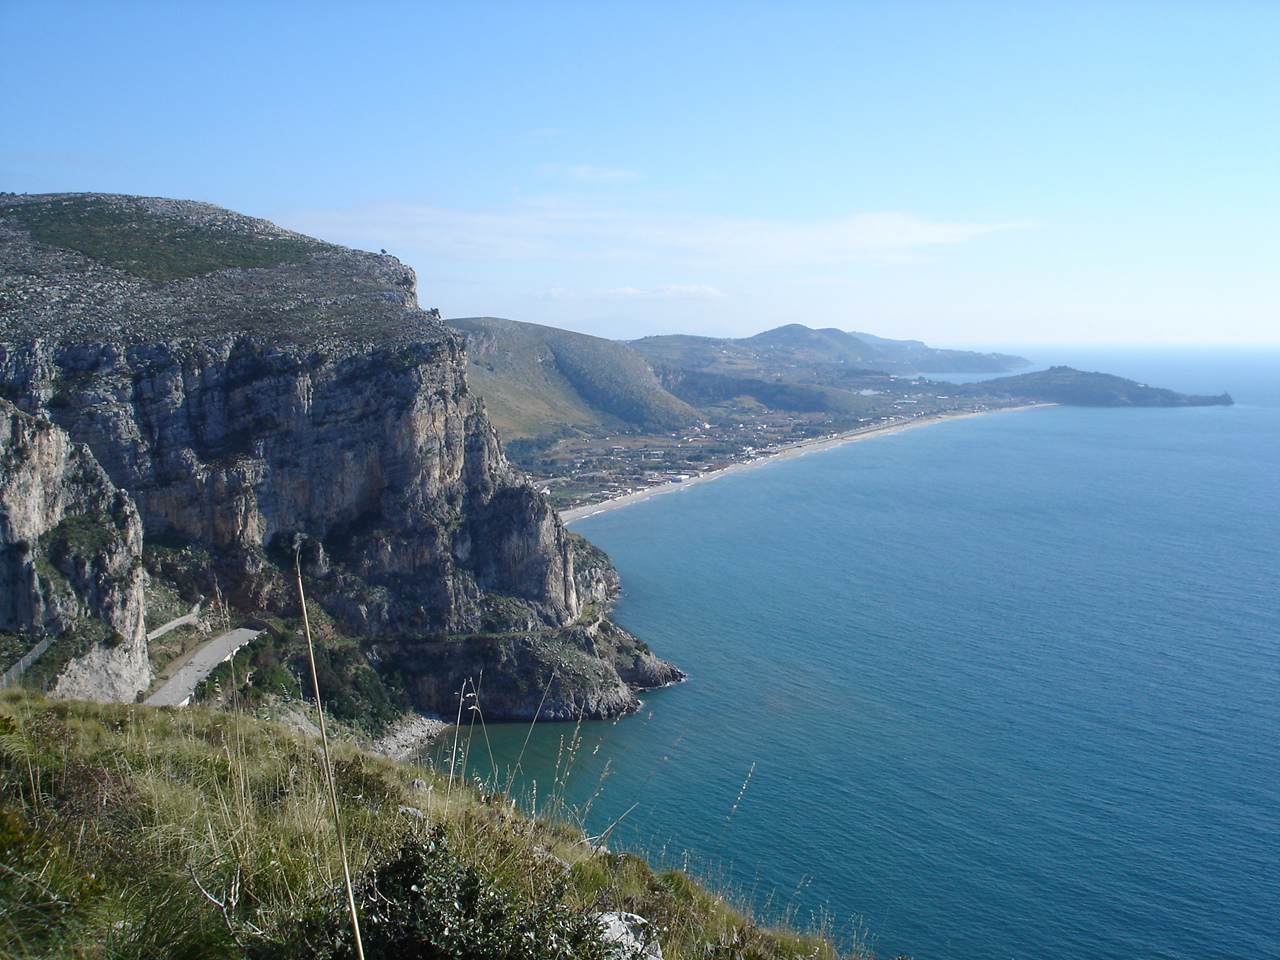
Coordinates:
(430, 904)
(352, 691)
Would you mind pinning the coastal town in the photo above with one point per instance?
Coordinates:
(585, 471)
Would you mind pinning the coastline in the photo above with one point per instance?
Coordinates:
(798, 449)
(408, 735)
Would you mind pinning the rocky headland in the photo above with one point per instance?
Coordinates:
(236, 397)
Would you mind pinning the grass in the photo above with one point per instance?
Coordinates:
(128, 831)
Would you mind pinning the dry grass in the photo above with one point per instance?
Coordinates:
(129, 831)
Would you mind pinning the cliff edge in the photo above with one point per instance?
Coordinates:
(260, 396)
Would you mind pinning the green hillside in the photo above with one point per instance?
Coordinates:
(710, 391)
(920, 357)
(544, 382)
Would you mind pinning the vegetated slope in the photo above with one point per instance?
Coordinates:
(702, 389)
(128, 831)
(540, 381)
(1073, 387)
(160, 239)
(264, 397)
(543, 382)
(797, 344)
(793, 353)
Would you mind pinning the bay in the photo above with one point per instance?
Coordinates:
(1005, 686)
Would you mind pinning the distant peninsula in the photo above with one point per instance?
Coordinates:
(1079, 389)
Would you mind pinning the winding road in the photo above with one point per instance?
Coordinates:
(178, 689)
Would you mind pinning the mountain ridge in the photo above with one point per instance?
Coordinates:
(819, 354)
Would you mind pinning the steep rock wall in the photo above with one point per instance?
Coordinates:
(70, 550)
(264, 396)
(377, 459)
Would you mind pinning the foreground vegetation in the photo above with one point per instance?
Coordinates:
(128, 831)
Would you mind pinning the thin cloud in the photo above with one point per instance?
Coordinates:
(555, 229)
(673, 291)
(584, 173)
(690, 291)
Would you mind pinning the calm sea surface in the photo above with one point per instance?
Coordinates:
(1003, 687)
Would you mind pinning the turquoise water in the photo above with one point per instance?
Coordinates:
(1007, 686)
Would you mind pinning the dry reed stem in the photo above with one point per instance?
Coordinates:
(328, 764)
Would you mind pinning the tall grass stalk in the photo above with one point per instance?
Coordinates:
(734, 809)
(511, 775)
(328, 764)
(126, 812)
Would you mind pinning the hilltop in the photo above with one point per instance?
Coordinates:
(797, 353)
(83, 268)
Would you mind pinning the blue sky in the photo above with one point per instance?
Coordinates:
(966, 173)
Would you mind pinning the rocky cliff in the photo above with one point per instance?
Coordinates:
(70, 557)
(262, 396)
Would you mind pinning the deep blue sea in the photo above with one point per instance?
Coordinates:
(1000, 687)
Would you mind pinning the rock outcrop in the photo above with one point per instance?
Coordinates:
(304, 407)
(70, 557)
(588, 671)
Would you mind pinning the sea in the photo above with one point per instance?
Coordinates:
(1005, 686)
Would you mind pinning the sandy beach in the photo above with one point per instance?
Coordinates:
(791, 450)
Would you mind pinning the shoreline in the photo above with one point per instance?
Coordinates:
(798, 449)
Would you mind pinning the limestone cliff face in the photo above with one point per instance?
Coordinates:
(378, 459)
(262, 396)
(70, 551)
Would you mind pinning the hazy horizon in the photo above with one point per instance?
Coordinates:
(957, 173)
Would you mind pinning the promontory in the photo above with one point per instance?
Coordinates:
(201, 399)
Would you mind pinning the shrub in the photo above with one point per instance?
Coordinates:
(429, 904)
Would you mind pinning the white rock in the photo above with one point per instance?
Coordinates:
(629, 935)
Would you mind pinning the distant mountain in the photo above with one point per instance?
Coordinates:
(542, 383)
(797, 353)
(922, 358)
